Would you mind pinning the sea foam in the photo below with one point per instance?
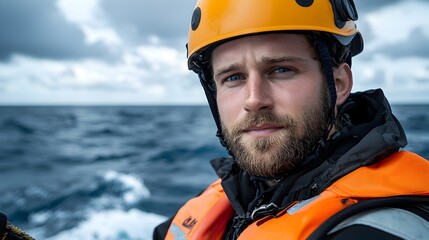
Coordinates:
(106, 217)
(114, 225)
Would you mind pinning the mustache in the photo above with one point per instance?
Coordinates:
(259, 119)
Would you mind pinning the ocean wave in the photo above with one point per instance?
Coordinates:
(114, 156)
(113, 224)
(111, 203)
(16, 125)
(133, 187)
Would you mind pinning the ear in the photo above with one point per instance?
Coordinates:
(343, 83)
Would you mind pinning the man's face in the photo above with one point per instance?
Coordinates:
(272, 100)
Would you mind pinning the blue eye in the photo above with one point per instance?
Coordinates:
(233, 78)
(281, 70)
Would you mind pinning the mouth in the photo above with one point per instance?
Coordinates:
(262, 130)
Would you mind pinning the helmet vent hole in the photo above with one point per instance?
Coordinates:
(196, 18)
(305, 3)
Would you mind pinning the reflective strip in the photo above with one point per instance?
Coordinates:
(177, 232)
(300, 205)
(398, 222)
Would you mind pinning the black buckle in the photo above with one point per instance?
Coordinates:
(264, 210)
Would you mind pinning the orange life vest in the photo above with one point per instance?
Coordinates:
(206, 216)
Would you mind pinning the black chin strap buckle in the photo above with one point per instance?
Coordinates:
(264, 210)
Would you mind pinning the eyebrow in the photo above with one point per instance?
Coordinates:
(263, 60)
(271, 60)
(226, 69)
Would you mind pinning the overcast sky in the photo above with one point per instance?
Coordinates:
(133, 51)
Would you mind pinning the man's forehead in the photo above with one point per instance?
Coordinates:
(275, 45)
(263, 49)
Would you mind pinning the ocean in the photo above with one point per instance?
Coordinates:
(116, 172)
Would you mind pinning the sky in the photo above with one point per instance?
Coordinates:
(132, 52)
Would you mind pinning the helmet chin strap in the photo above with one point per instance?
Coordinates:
(326, 63)
(211, 98)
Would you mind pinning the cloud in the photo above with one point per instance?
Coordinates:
(396, 23)
(132, 51)
(380, 19)
(37, 28)
(403, 79)
(396, 57)
(87, 50)
(91, 20)
(150, 73)
(138, 19)
(414, 45)
(129, 75)
(365, 7)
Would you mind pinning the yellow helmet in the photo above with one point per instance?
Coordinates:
(214, 21)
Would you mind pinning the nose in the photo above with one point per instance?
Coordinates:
(258, 95)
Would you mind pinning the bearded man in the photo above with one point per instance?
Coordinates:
(309, 160)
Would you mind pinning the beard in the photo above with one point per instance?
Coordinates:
(279, 153)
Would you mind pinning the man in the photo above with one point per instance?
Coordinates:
(308, 160)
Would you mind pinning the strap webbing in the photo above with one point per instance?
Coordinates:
(396, 202)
